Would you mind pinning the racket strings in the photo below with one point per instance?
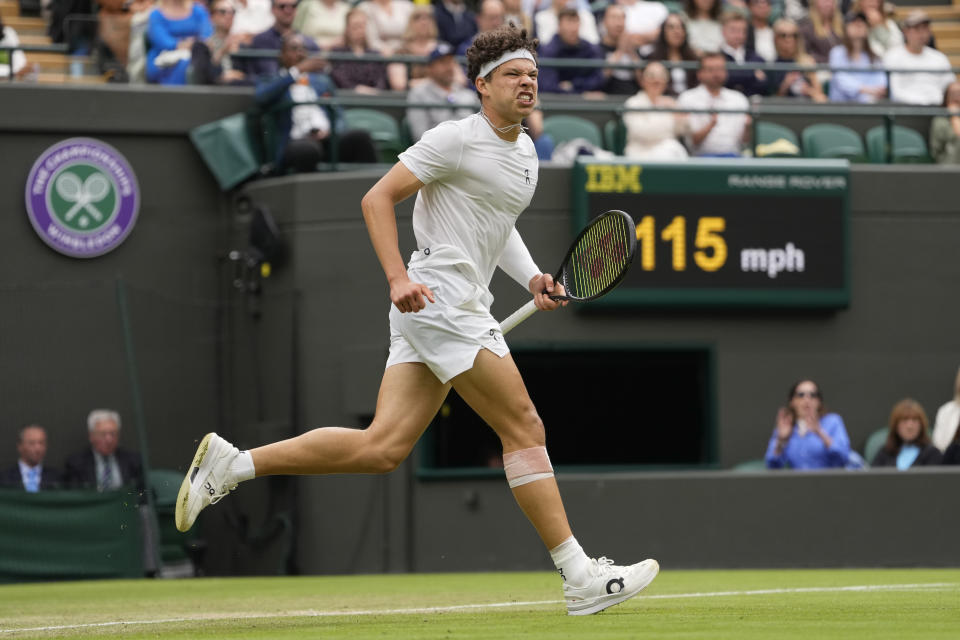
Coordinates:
(599, 258)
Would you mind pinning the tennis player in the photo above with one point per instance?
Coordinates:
(473, 178)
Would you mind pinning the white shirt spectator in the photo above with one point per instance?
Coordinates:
(727, 136)
(323, 22)
(253, 16)
(9, 37)
(918, 87)
(651, 135)
(945, 425)
(763, 44)
(705, 36)
(385, 30)
(546, 23)
(644, 17)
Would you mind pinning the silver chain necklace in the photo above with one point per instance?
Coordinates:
(502, 129)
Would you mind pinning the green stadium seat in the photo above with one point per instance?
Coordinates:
(832, 141)
(776, 141)
(564, 128)
(615, 136)
(228, 149)
(758, 464)
(908, 145)
(382, 127)
(875, 442)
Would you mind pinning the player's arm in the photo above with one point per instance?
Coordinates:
(380, 216)
(517, 263)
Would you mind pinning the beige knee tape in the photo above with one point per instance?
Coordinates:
(527, 465)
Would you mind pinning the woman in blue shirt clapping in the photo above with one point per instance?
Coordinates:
(868, 85)
(805, 436)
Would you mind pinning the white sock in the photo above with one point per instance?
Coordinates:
(242, 467)
(572, 563)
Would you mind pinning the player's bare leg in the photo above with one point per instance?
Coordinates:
(410, 396)
(495, 390)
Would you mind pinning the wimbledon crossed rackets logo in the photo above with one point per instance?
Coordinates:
(82, 197)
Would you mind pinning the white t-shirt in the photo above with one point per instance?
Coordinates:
(727, 136)
(475, 187)
(644, 17)
(918, 88)
(253, 17)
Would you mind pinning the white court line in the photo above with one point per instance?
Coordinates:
(491, 605)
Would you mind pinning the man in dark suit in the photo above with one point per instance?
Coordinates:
(30, 473)
(105, 465)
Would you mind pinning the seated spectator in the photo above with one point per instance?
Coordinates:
(172, 29)
(114, 32)
(908, 441)
(644, 19)
(455, 21)
(948, 415)
(952, 455)
(618, 47)
(284, 11)
(78, 35)
(253, 16)
(304, 131)
(672, 46)
(386, 23)
(945, 130)
(441, 86)
(918, 87)
(514, 14)
(712, 134)
(322, 20)
(211, 58)
(568, 44)
(652, 135)
(420, 39)
(703, 25)
(30, 473)
(760, 34)
(822, 29)
(749, 82)
(363, 77)
(793, 84)
(105, 465)
(547, 22)
(854, 86)
(11, 61)
(137, 52)
(884, 32)
(805, 435)
(489, 17)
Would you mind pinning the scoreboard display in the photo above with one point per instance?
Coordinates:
(726, 233)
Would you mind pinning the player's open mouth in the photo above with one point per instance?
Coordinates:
(525, 98)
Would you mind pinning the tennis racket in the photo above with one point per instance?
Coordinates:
(594, 265)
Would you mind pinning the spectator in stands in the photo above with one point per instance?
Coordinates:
(547, 21)
(514, 14)
(211, 60)
(489, 17)
(105, 465)
(30, 473)
(822, 29)
(760, 33)
(712, 134)
(750, 82)
(284, 11)
(115, 19)
(652, 135)
(856, 86)
(952, 455)
(618, 47)
(806, 436)
(672, 46)
(253, 16)
(793, 84)
(361, 76)
(926, 85)
(172, 29)
(322, 20)
(11, 61)
(948, 415)
(441, 86)
(568, 44)
(386, 23)
(884, 32)
(420, 39)
(908, 441)
(644, 19)
(137, 51)
(703, 25)
(304, 131)
(945, 130)
(455, 21)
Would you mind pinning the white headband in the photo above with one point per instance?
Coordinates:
(509, 55)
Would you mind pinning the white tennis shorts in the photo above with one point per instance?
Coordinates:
(447, 334)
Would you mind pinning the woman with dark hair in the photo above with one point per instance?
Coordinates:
(806, 436)
(908, 441)
(869, 85)
(672, 46)
(361, 76)
(703, 25)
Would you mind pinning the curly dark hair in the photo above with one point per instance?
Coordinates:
(490, 45)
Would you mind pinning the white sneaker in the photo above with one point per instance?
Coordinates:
(609, 585)
(207, 481)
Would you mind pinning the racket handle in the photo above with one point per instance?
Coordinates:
(518, 316)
